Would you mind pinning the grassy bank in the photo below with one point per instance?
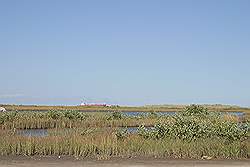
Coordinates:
(105, 145)
(148, 108)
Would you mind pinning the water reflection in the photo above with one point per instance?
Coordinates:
(33, 132)
(138, 113)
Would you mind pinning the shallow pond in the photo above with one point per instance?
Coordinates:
(45, 132)
(33, 132)
(137, 113)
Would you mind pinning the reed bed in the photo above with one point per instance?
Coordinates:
(37, 120)
(106, 144)
(73, 119)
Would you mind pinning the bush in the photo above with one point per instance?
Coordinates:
(153, 114)
(121, 134)
(232, 131)
(54, 114)
(74, 115)
(143, 132)
(196, 110)
(7, 117)
(196, 122)
(115, 115)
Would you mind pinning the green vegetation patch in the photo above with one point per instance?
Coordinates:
(194, 132)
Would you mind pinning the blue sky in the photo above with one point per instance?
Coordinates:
(131, 52)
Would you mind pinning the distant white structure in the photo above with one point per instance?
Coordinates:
(95, 104)
(2, 109)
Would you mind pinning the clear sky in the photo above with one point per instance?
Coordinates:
(128, 52)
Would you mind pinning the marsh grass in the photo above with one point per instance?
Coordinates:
(192, 133)
(147, 108)
(105, 144)
(72, 119)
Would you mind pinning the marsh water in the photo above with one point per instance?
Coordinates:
(170, 113)
(138, 113)
(33, 132)
(45, 132)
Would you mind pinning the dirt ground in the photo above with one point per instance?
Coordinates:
(68, 162)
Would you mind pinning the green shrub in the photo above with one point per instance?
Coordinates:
(196, 122)
(7, 116)
(115, 115)
(153, 114)
(71, 114)
(121, 133)
(143, 132)
(195, 110)
(54, 114)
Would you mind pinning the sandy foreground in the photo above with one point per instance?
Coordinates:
(70, 162)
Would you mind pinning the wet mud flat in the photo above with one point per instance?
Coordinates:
(54, 161)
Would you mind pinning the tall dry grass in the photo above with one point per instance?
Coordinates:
(105, 144)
